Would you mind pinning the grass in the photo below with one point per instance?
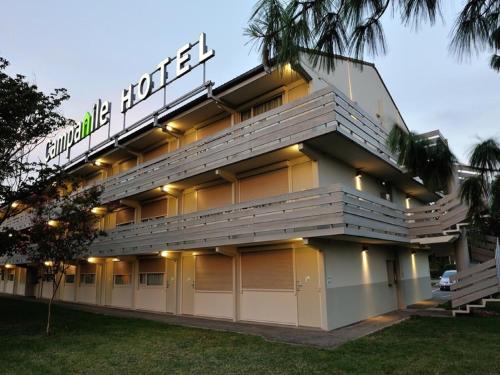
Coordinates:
(86, 343)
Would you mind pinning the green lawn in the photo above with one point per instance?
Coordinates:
(95, 344)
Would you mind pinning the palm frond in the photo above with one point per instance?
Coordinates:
(495, 62)
(472, 193)
(413, 12)
(485, 156)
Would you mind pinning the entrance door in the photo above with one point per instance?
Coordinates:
(308, 287)
(188, 285)
(171, 286)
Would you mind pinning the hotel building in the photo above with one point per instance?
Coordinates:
(272, 199)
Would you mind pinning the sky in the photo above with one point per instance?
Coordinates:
(97, 48)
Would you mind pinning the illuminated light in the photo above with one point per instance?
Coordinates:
(8, 265)
(168, 189)
(358, 182)
(52, 223)
(99, 163)
(413, 265)
(365, 266)
(115, 260)
(195, 253)
(169, 128)
(92, 260)
(364, 249)
(288, 68)
(407, 202)
(297, 239)
(48, 263)
(10, 234)
(98, 210)
(164, 253)
(14, 204)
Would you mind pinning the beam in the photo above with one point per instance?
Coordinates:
(309, 151)
(229, 251)
(130, 203)
(226, 175)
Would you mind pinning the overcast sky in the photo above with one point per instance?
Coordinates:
(97, 48)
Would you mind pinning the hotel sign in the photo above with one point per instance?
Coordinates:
(147, 85)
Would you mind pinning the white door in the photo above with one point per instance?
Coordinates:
(188, 285)
(308, 287)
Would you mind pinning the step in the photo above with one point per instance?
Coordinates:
(469, 307)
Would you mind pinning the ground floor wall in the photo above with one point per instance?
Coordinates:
(414, 280)
(368, 280)
(324, 283)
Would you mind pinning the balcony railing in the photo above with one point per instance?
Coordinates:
(328, 211)
(325, 111)
(435, 219)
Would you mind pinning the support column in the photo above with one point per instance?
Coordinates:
(462, 251)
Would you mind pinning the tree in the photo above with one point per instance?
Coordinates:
(283, 30)
(62, 230)
(27, 118)
(481, 191)
(433, 161)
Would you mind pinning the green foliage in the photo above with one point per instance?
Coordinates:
(432, 162)
(63, 227)
(283, 29)
(485, 156)
(481, 192)
(27, 117)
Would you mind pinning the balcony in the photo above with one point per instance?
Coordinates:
(329, 211)
(438, 218)
(324, 112)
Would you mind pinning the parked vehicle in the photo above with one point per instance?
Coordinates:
(446, 280)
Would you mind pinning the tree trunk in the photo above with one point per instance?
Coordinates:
(49, 312)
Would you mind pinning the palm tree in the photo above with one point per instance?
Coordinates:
(432, 161)
(284, 30)
(481, 192)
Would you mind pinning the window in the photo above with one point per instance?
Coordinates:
(10, 276)
(151, 278)
(261, 108)
(151, 271)
(122, 272)
(87, 278)
(48, 277)
(121, 279)
(69, 279)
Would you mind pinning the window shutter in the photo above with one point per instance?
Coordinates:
(122, 268)
(214, 273)
(125, 216)
(87, 268)
(151, 265)
(267, 270)
(154, 209)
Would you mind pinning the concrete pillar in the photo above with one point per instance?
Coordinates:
(462, 251)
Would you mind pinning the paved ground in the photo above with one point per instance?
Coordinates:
(441, 295)
(279, 333)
